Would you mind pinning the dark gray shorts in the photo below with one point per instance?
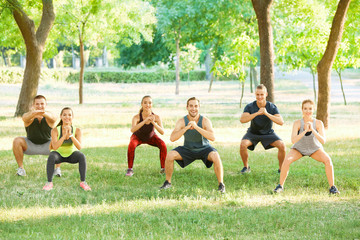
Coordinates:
(37, 149)
(189, 156)
(265, 140)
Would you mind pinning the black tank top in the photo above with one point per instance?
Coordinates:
(146, 131)
(38, 132)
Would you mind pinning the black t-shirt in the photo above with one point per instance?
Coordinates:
(261, 124)
(38, 132)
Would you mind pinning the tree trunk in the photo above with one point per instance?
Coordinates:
(326, 62)
(208, 65)
(3, 56)
(255, 74)
(82, 69)
(177, 75)
(251, 79)
(341, 84)
(211, 82)
(262, 10)
(314, 86)
(35, 43)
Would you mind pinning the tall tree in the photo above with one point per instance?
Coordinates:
(174, 20)
(100, 23)
(35, 39)
(262, 11)
(325, 65)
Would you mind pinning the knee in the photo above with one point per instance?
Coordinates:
(81, 156)
(52, 158)
(214, 157)
(132, 146)
(18, 141)
(244, 145)
(281, 146)
(162, 146)
(327, 161)
(170, 156)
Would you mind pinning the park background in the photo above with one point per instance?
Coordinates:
(173, 50)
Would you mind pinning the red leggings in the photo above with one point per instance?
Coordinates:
(154, 141)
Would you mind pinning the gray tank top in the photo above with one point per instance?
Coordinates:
(308, 144)
(193, 140)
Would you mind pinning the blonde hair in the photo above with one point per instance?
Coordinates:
(261, 87)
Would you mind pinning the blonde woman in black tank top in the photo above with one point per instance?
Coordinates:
(308, 135)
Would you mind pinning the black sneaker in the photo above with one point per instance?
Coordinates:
(166, 185)
(278, 189)
(333, 190)
(245, 170)
(221, 188)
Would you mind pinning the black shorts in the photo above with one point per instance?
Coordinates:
(265, 140)
(189, 156)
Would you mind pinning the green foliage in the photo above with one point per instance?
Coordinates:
(189, 58)
(135, 77)
(15, 75)
(239, 55)
(301, 30)
(148, 53)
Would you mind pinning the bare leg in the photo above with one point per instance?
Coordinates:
(291, 157)
(218, 168)
(321, 156)
(244, 151)
(19, 147)
(169, 163)
(279, 144)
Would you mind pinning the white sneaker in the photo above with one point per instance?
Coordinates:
(57, 172)
(21, 172)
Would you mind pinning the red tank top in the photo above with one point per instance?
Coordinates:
(146, 131)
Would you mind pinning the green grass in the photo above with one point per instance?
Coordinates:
(134, 208)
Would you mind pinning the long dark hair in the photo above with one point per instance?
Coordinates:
(65, 108)
(146, 96)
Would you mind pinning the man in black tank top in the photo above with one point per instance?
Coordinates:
(38, 124)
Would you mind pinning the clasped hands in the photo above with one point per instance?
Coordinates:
(67, 132)
(191, 125)
(150, 119)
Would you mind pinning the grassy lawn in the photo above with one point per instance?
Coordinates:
(120, 207)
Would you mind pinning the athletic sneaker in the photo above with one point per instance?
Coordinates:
(21, 172)
(129, 172)
(245, 170)
(48, 186)
(84, 186)
(166, 185)
(221, 188)
(278, 189)
(162, 171)
(333, 190)
(57, 172)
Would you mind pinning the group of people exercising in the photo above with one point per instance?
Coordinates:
(62, 143)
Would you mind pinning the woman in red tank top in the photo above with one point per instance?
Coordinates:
(143, 128)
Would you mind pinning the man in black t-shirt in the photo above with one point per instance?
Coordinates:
(262, 114)
(38, 124)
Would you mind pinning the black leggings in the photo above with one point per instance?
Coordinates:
(75, 157)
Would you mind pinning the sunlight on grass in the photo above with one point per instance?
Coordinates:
(244, 201)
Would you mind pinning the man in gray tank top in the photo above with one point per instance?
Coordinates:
(38, 124)
(197, 131)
